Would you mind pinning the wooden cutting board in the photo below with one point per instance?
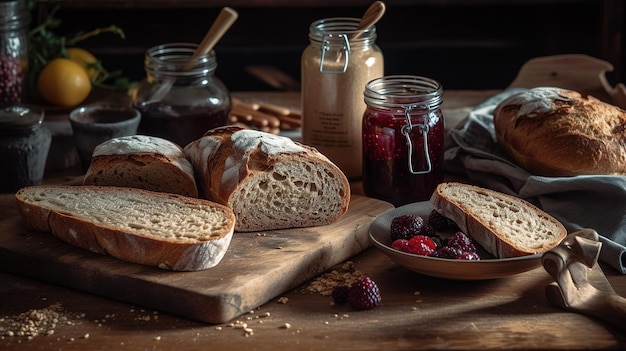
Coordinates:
(257, 267)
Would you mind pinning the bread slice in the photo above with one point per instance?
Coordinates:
(504, 225)
(269, 181)
(170, 231)
(142, 162)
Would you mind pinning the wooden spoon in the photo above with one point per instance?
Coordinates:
(373, 14)
(223, 22)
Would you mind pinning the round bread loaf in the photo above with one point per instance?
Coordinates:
(269, 181)
(142, 162)
(556, 132)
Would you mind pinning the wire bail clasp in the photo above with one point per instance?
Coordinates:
(343, 53)
(424, 129)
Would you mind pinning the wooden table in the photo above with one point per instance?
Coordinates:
(417, 312)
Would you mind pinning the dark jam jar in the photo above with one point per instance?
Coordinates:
(180, 98)
(403, 139)
(24, 146)
(14, 23)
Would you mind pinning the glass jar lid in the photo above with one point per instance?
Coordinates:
(20, 116)
(13, 14)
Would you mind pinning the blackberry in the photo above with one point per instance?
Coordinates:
(429, 230)
(448, 252)
(340, 293)
(462, 242)
(406, 226)
(439, 222)
(469, 256)
(363, 294)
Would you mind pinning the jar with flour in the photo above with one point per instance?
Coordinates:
(335, 67)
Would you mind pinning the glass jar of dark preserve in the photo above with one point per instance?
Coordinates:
(24, 146)
(14, 23)
(403, 138)
(180, 98)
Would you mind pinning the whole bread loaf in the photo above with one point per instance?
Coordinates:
(142, 162)
(504, 225)
(557, 132)
(269, 181)
(169, 231)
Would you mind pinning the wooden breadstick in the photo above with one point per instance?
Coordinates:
(290, 120)
(273, 109)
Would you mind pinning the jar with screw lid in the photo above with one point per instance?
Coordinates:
(403, 138)
(14, 23)
(24, 146)
(335, 67)
(181, 97)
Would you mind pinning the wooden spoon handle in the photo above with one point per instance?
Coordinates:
(222, 23)
(373, 14)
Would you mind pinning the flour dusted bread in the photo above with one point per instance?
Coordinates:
(504, 225)
(269, 181)
(142, 162)
(557, 132)
(170, 231)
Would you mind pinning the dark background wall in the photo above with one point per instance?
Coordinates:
(465, 44)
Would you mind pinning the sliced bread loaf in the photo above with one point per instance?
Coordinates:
(142, 162)
(269, 181)
(169, 231)
(504, 225)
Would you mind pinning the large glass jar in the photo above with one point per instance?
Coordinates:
(180, 98)
(403, 139)
(335, 67)
(14, 22)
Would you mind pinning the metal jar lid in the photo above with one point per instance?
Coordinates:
(20, 116)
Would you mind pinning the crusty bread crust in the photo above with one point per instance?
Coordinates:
(504, 225)
(557, 132)
(176, 232)
(269, 181)
(142, 162)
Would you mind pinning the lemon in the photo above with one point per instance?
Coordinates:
(63, 82)
(84, 58)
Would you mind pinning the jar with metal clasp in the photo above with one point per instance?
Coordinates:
(24, 146)
(403, 138)
(181, 97)
(14, 23)
(335, 67)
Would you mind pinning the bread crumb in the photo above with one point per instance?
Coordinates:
(327, 282)
(36, 322)
(283, 300)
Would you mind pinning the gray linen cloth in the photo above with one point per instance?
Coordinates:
(597, 201)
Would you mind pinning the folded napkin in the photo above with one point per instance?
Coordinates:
(597, 202)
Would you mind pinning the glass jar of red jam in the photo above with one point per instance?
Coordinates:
(181, 97)
(14, 23)
(403, 138)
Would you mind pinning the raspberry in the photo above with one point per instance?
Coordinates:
(363, 294)
(469, 256)
(406, 226)
(400, 245)
(421, 245)
(462, 242)
(340, 293)
(439, 222)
